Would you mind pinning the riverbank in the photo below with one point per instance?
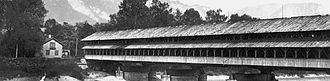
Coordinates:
(90, 76)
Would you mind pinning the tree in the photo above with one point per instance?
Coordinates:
(191, 17)
(160, 13)
(133, 14)
(102, 26)
(177, 18)
(22, 19)
(213, 16)
(53, 28)
(236, 18)
(84, 30)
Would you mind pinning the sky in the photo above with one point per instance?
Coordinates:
(232, 5)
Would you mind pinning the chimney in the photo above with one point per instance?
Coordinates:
(49, 36)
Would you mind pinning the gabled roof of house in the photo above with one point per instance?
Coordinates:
(293, 24)
(49, 39)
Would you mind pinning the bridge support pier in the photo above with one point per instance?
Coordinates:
(187, 75)
(105, 66)
(264, 75)
(252, 77)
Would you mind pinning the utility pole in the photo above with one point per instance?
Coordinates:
(16, 56)
(76, 52)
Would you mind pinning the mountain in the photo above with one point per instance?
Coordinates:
(92, 11)
(279, 10)
(176, 4)
(73, 11)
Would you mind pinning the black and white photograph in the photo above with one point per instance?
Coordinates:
(164, 40)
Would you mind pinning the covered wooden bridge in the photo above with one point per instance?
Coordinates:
(288, 42)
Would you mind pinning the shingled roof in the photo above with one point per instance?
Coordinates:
(294, 24)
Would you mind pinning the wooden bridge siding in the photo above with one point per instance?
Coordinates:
(281, 62)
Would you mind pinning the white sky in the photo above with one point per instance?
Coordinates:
(232, 5)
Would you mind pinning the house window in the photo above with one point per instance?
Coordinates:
(52, 45)
(56, 52)
(47, 52)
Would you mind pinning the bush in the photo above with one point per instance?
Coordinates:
(22, 67)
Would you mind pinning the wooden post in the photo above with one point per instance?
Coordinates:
(130, 52)
(164, 52)
(144, 52)
(275, 53)
(139, 52)
(265, 53)
(134, 52)
(207, 52)
(187, 52)
(285, 52)
(96, 52)
(255, 53)
(200, 52)
(229, 52)
(246, 52)
(307, 53)
(153, 52)
(158, 52)
(296, 53)
(193, 52)
(214, 50)
(169, 52)
(319, 53)
(222, 53)
(106, 52)
(125, 51)
(175, 52)
(122, 52)
(181, 52)
(114, 51)
(102, 52)
(110, 52)
(238, 52)
(84, 52)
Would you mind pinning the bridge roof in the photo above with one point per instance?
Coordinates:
(294, 24)
(250, 44)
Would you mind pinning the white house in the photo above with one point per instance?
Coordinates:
(52, 49)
